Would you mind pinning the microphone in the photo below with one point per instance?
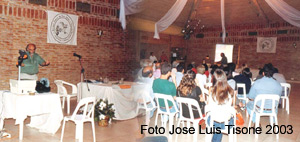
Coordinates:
(79, 56)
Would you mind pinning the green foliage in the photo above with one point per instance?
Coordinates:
(102, 107)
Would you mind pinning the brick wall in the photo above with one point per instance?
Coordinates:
(286, 58)
(107, 56)
(144, 42)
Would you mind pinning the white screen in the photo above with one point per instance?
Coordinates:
(227, 49)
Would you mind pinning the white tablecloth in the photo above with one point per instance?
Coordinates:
(124, 100)
(44, 109)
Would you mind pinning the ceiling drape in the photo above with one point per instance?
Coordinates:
(169, 18)
(285, 11)
(128, 7)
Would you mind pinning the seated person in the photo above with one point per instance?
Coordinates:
(244, 78)
(189, 89)
(278, 76)
(265, 85)
(219, 102)
(163, 86)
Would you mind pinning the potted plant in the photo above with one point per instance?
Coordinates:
(104, 112)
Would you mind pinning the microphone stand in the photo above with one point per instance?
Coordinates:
(82, 78)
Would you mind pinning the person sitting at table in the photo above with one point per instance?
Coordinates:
(163, 86)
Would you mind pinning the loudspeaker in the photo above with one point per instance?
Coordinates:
(201, 35)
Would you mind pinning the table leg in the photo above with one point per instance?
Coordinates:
(21, 130)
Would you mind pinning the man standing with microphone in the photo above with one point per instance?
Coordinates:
(30, 66)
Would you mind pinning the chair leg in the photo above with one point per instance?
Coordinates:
(250, 121)
(196, 126)
(63, 102)
(288, 105)
(156, 118)
(257, 119)
(68, 103)
(282, 103)
(93, 128)
(79, 132)
(62, 131)
(171, 119)
(276, 123)
(147, 118)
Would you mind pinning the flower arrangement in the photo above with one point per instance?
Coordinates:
(104, 110)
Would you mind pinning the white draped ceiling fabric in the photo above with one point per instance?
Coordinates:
(128, 7)
(285, 11)
(223, 21)
(169, 18)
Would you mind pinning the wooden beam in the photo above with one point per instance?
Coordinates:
(260, 10)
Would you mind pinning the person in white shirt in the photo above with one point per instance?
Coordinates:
(200, 76)
(152, 57)
(220, 101)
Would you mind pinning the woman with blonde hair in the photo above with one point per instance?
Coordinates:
(220, 101)
(188, 88)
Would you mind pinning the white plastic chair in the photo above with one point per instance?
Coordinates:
(210, 113)
(244, 95)
(287, 91)
(190, 103)
(87, 105)
(62, 91)
(143, 104)
(261, 110)
(171, 115)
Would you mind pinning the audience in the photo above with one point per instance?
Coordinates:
(163, 86)
(201, 77)
(244, 77)
(265, 85)
(189, 89)
(220, 101)
(157, 71)
(278, 76)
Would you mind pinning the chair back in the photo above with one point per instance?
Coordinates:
(243, 86)
(88, 107)
(165, 99)
(286, 89)
(144, 99)
(262, 100)
(191, 104)
(212, 111)
(62, 90)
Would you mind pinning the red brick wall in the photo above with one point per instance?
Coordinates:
(286, 58)
(145, 41)
(107, 56)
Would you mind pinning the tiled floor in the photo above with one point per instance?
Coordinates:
(129, 130)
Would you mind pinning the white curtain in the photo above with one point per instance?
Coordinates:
(169, 18)
(223, 21)
(285, 11)
(128, 7)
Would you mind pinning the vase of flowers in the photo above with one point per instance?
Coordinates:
(104, 112)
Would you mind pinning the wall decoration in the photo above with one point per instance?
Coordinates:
(62, 28)
(266, 44)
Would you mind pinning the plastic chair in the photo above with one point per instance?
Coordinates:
(244, 95)
(146, 102)
(287, 91)
(261, 110)
(190, 103)
(62, 91)
(210, 113)
(171, 115)
(87, 105)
